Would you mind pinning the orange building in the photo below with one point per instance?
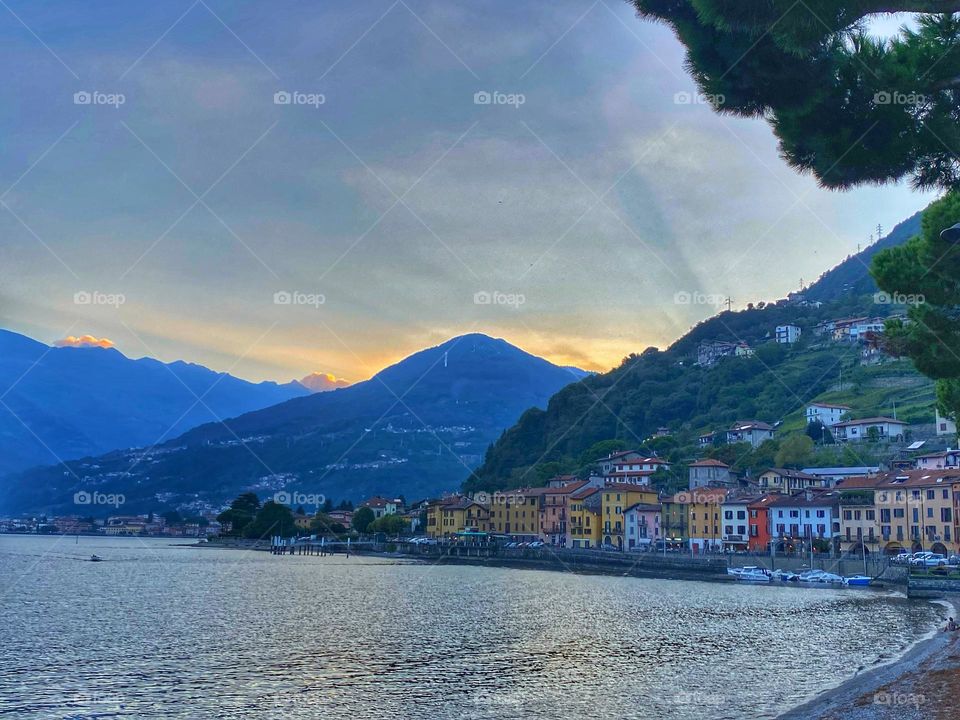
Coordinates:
(758, 521)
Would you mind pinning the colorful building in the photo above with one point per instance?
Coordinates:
(788, 481)
(554, 511)
(517, 513)
(642, 525)
(614, 500)
(583, 524)
(456, 514)
(703, 518)
(758, 523)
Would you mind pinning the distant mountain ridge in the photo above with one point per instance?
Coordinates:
(852, 276)
(414, 428)
(61, 403)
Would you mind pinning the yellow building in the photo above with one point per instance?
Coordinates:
(913, 510)
(614, 500)
(583, 525)
(516, 513)
(703, 517)
(456, 514)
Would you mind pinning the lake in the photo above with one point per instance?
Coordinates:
(165, 631)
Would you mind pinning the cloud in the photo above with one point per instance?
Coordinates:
(84, 341)
(322, 382)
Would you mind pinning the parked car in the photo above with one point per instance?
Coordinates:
(901, 559)
(536, 544)
(934, 560)
(953, 560)
(918, 558)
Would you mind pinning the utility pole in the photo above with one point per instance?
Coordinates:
(729, 303)
(879, 231)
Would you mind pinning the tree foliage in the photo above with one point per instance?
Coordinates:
(926, 272)
(848, 107)
(240, 513)
(362, 519)
(271, 519)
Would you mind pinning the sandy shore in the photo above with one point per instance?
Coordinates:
(924, 684)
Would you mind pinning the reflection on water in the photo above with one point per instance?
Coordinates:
(158, 631)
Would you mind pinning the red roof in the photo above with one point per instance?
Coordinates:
(709, 462)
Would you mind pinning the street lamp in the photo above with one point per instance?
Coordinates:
(951, 234)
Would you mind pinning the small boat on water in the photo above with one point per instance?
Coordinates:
(857, 580)
(96, 558)
(750, 573)
(819, 576)
(785, 576)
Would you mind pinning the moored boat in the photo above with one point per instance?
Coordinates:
(753, 574)
(857, 580)
(96, 558)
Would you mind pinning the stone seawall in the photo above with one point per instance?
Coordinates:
(933, 588)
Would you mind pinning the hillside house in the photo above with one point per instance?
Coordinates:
(785, 480)
(709, 352)
(827, 414)
(883, 428)
(787, 334)
(945, 426)
(834, 475)
(710, 473)
(750, 431)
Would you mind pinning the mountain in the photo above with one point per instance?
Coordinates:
(667, 389)
(852, 276)
(415, 428)
(60, 403)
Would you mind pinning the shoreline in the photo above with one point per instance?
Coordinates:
(902, 688)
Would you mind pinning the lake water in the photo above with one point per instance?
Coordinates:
(157, 631)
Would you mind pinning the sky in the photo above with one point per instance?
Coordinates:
(285, 188)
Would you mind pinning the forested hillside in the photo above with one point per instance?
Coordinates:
(666, 389)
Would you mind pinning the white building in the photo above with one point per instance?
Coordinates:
(857, 430)
(945, 426)
(826, 413)
(787, 334)
(630, 466)
(734, 527)
(750, 431)
(795, 520)
(834, 474)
